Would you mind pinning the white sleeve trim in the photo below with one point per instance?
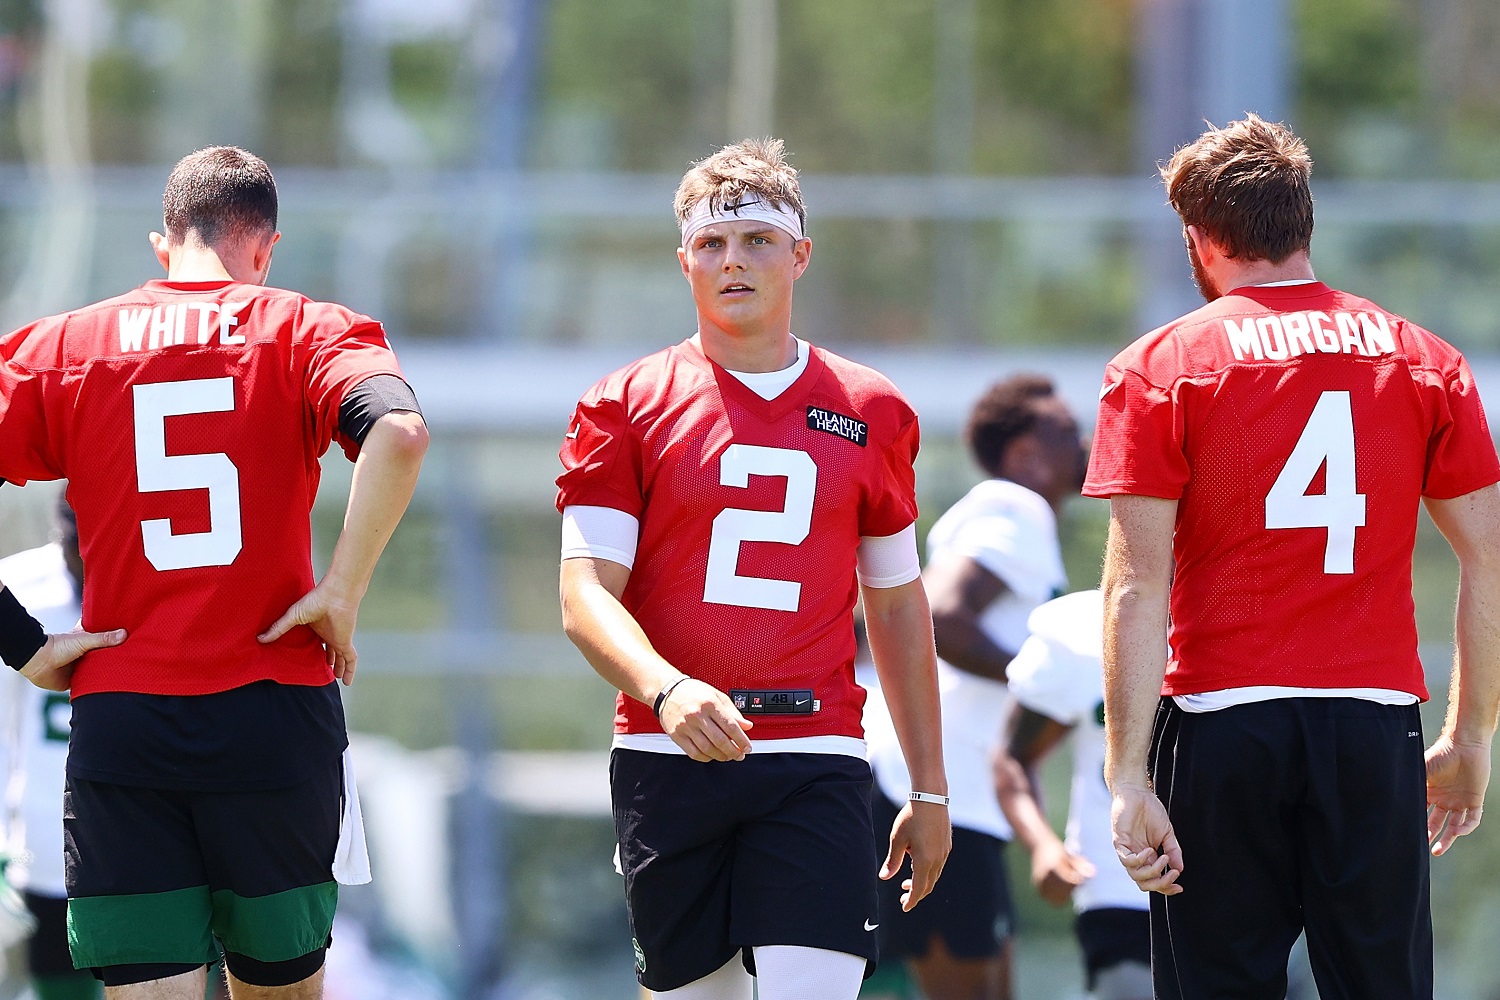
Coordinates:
(599, 533)
(889, 560)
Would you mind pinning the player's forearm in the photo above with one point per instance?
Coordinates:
(963, 644)
(1015, 788)
(1471, 523)
(1136, 585)
(899, 626)
(606, 633)
(385, 476)
(1474, 694)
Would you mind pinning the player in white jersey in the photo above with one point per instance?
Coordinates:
(992, 558)
(1057, 681)
(48, 581)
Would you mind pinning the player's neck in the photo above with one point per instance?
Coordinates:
(1240, 274)
(195, 262)
(761, 351)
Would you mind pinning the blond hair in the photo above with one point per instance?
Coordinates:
(753, 167)
(1247, 186)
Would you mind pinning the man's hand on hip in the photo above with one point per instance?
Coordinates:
(1144, 840)
(52, 667)
(333, 619)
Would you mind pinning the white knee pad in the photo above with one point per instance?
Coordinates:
(730, 982)
(792, 972)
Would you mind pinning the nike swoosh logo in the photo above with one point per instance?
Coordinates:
(804, 701)
(571, 434)
(869, 926)
(1109, 387)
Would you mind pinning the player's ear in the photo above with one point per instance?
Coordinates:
(682, 260)
(1201, 242)
(159, 247)
(802, 255)
(261, 262)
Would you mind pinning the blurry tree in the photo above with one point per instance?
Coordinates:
(630, 67)
(1056, 87)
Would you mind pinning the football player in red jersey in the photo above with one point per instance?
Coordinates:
(1265, 457)
(205, 778)
(725, 502)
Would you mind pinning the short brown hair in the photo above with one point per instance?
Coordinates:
(1246, 185)
(751, 166)
(1006, 411)
(219, 192)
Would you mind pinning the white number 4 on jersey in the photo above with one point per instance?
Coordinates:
(1327, 438)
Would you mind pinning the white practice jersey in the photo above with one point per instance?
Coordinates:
(37, 724)
(1012, 533)
(1058, 673)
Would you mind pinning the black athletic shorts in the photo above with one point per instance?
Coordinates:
(1110, 935)
(165, 877)
(1294, 812)
(970, 909)
(721, 857)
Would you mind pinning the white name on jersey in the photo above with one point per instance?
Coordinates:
(1286, 335)
(150, 328)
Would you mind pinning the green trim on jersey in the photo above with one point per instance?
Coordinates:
(180, 926)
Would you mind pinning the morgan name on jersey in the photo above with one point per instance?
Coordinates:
(1277, 337)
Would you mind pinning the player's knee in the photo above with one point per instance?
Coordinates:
(257, 973)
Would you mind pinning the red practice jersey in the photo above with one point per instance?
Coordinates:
(188, 419)
(751, 513)
(1298, 428)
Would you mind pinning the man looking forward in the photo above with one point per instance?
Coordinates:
(1265, 457)
(204, 775)
(725, 502)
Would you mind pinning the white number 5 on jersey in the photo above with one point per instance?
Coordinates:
(158, 472)
(722, 584)
(1327, 437)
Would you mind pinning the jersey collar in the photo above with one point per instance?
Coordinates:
(732, 388)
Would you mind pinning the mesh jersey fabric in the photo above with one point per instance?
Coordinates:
(1301, 399)
(751, 512)
(188, 418)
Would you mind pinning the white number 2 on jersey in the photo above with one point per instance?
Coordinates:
(158, 472)
(1328, 437)
(790, 525)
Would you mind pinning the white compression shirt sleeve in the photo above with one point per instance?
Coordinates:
(599, 533)
(889, 560)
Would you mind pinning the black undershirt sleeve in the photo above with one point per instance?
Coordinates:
(372, 399)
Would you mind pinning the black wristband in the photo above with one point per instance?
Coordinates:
(661, 699)
(20, 634)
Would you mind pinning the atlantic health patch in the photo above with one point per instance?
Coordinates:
(848, 428)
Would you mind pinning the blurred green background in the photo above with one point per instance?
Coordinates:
(492, 179)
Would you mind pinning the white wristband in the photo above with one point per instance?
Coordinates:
(937, 800)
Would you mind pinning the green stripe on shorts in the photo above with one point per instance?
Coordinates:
(180, 926)
(278, 927)
(141, 927)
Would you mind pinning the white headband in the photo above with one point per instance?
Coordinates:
(753, 208)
